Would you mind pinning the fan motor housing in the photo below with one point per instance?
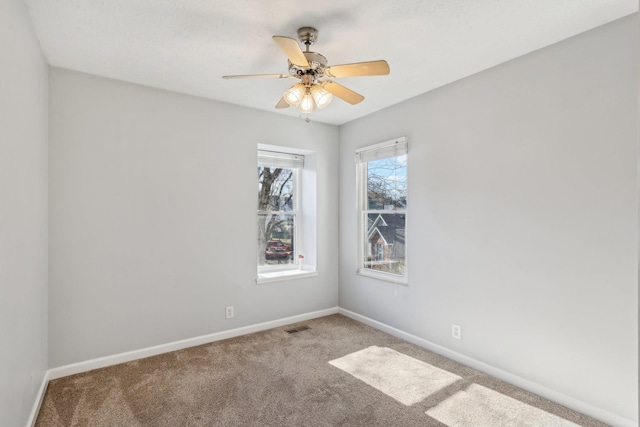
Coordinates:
(317, 64)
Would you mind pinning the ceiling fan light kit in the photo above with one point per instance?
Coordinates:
(310, 68)
(307, 105)
(294, 94)
(321, 96)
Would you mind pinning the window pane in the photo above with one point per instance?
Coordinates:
(275, 239)
(387, 183)
(385, 243)
(275, 189)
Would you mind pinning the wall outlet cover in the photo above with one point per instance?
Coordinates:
(228, 312)
(456, 331)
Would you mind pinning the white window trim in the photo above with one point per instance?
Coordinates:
(296, 161)
(279, 276)
(366, 154)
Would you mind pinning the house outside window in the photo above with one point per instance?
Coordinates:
(382, 210)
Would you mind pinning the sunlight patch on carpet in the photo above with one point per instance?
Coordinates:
(478, 406)
(399, 376)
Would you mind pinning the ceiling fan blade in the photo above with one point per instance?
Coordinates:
(342, 92)
(291, 48)
(282, 104)
(251, 76)
(370, 68)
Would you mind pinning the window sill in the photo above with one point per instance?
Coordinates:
(386, 277)
(279, 276)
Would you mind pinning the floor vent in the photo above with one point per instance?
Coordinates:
(294, 329)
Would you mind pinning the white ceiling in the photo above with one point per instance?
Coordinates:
(187, 45)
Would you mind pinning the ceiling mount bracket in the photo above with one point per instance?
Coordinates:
(308, 35)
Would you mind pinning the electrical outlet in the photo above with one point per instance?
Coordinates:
(456, 331)
(228, 312)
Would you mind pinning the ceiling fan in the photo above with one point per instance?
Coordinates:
(314, 90)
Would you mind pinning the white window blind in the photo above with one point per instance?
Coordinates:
(274, 159)
(393, 148)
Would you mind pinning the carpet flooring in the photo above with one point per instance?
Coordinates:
(322, 375)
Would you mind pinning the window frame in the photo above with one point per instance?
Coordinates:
(295, 159)
(364, 155)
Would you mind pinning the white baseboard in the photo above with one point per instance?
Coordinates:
(102, 362)
(39, 398)
(550, 394)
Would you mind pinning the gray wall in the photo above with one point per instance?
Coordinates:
(23, 214)
(152, 217)
(522, 220)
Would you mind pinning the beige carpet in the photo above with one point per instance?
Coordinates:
(274, 378)
(404, 378)
(480, 406)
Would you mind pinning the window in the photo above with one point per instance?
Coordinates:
(281, 216)
(278, 200)
(382, 210)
